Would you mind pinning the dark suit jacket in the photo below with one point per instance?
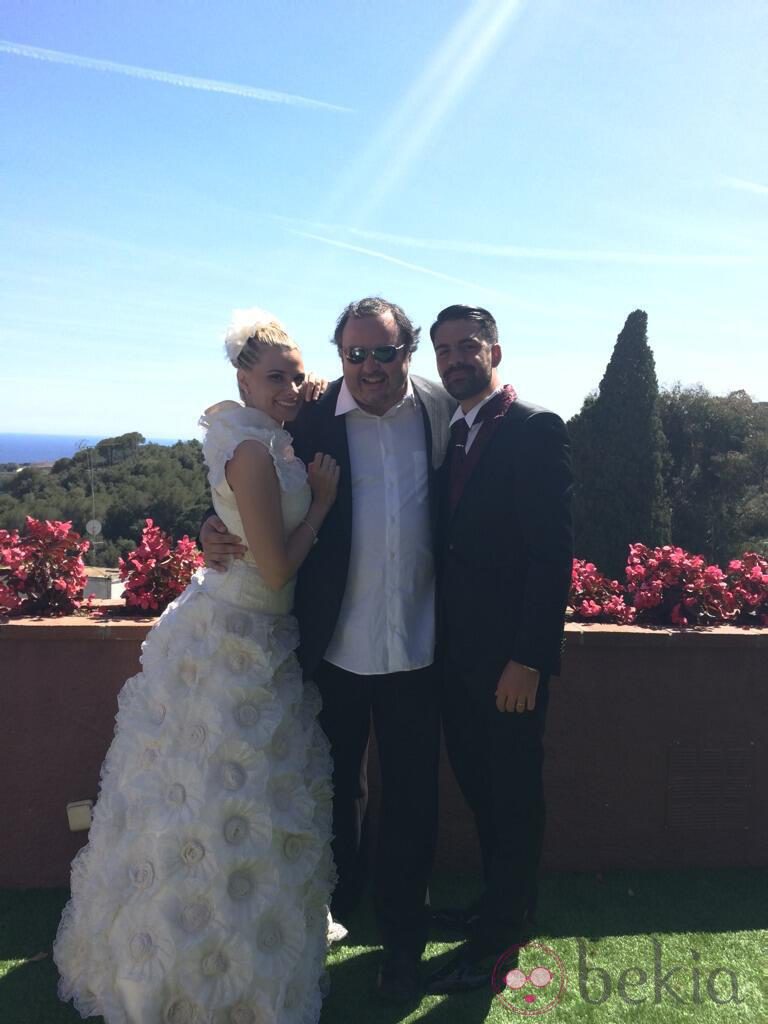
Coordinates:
(323, 576)
(507, 550)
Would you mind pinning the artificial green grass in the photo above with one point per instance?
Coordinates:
(692, 923)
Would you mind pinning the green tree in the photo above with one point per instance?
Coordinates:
(717, 471)
(131, 481)
(618, 451)
(115, 449)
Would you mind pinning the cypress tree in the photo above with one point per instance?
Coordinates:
(618, 452)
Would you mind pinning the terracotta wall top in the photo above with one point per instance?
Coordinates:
(77, 627)
(578, 634)
(602, 635)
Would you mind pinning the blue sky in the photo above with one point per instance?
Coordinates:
(560, 163)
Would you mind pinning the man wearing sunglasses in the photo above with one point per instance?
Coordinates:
(365, 604)
(505, 555)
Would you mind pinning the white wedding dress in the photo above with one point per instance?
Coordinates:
(201, 897)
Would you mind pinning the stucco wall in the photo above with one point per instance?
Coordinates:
(657, 747)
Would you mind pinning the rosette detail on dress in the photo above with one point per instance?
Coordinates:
(201, 895)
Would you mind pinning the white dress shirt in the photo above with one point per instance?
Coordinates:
(471, 416)
(387, 618)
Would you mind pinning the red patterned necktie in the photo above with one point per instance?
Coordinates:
(459, 467)
(460, 429)
(459, 435)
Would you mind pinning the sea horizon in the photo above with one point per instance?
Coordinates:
(31, 448)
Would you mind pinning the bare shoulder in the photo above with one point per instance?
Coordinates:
(250, 460)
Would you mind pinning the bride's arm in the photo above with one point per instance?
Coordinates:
(252, 477)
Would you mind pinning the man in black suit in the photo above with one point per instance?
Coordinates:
(505, 569)
(365, 605)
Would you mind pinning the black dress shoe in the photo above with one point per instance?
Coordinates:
(471, 966)
(462, 922)
(457, 921)
(399, 979)
(460, 975)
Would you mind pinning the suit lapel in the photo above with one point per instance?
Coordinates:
(435, 425)
(334, 432)
(487, 457)
(335, 443)
(319, 429)
(430, 414)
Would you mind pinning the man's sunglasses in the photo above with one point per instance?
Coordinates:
(382, 353)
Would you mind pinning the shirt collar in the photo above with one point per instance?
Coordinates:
(346, 403)
(471, 416)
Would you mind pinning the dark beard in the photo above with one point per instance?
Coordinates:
(473, 384)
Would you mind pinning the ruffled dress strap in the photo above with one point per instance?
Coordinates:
(227, 424)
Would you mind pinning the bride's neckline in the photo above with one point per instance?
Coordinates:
(246, 413)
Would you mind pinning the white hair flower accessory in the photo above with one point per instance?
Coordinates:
(244, 324)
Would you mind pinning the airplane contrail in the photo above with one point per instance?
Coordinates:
(525, 252)
(375, 254)
(167, 77)
(745, 186)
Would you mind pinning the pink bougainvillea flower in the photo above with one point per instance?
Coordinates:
(670, 586)
(44, 570)
(594, 597)
(157, 572)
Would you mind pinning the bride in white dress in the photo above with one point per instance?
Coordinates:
(201, 897)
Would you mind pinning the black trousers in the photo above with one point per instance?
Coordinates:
(497, 759)
(404, 708)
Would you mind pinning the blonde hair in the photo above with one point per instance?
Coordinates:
(251, 331)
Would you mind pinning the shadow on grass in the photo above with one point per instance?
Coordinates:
(28, 923)
(636, 902)
(572, 905)
(353, 972)
(627, 905)
(28, 920)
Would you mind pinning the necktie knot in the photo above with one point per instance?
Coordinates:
(460, 429)
(461, 462)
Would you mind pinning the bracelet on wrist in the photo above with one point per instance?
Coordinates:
(306, 522)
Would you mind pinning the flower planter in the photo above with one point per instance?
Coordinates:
(657, 747)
